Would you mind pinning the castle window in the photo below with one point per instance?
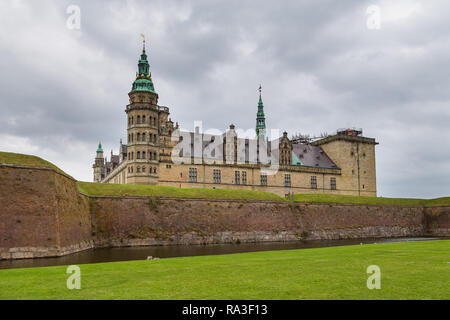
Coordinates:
(143, 169)
(217, 176)
(143, 119)
(263, 179)
(150, 120)
(287, 180)
(138, 119)
(143, 136)
(138, 136)
(138, 169)
(138, 155)
(244, 177)
(237, 177)
(154, 156)
(154, 170)
(313, 182)
(192, 174)
(132, 137)
(143, 155)
(333, 183)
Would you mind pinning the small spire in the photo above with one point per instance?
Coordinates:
(99, 147)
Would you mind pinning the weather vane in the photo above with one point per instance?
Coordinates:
(143, 38)
(259, 89)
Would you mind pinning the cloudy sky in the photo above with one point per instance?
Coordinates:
(320, 65)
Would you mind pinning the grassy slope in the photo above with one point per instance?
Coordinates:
(410, 270)
(102, 189)
(26, 160)
(344, 199)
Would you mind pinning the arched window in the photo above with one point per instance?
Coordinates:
(138, 155)
(132, 120)
(138, 119)
(138, 136)
(143, 169)
(154, 156)
(138, 169)
(132, 137)
(143, 155)
(154, 170)
(143, 119)
(143, 136)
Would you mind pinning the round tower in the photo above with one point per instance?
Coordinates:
(144, 125)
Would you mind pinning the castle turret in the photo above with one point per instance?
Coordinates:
(99, 165)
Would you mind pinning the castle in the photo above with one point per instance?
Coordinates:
(158, 153)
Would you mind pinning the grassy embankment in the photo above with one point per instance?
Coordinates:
(27, 161)
(227, 194)
(101, 189)
(409, 270)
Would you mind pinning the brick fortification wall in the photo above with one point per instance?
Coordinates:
(144, 221)
(43, 214)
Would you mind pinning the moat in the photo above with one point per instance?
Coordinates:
(141, 253)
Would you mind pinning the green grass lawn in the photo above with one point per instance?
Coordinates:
(409, 270)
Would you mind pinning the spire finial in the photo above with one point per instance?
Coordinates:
(143, 41)
(260, 89)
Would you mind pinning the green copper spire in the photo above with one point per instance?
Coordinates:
(143, 80)
(260, 118)
(100, 147)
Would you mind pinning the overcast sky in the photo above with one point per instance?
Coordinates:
(320, 65)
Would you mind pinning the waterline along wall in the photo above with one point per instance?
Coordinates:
(43, 214)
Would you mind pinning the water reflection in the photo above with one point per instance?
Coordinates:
(141, 253)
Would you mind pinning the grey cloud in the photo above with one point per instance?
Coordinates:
(320, 68)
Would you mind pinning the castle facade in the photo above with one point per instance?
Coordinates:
(158, 153)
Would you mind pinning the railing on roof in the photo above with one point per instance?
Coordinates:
(350, 131)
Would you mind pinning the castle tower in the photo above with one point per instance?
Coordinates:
(99, 165)
(147, 127)
(260, 118)
(355, 155)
